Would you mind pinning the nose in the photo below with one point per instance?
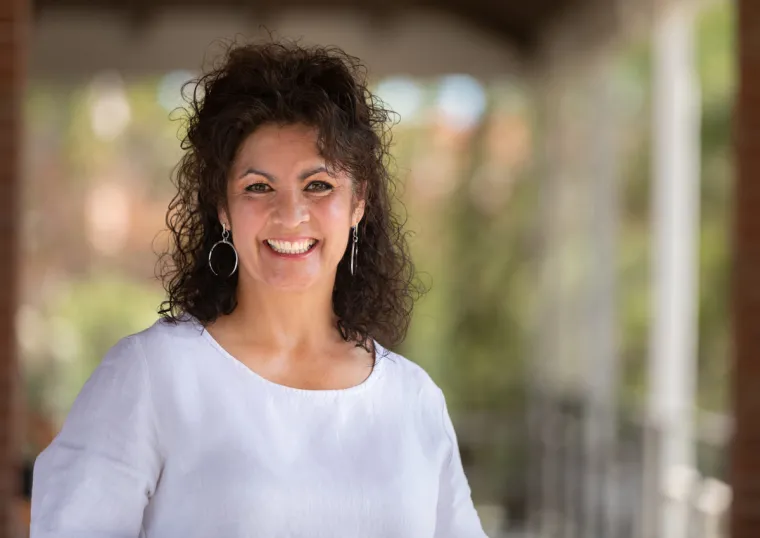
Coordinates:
(291, 209)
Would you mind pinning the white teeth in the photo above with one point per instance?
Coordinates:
(287, 247)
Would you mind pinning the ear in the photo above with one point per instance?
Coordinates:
(358, 212)
(221, 214)
(359, 204)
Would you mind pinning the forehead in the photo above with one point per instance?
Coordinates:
(280, 145)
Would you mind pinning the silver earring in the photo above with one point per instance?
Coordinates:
(225, 241)
(354, 249)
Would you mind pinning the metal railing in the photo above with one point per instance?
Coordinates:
(575, 487)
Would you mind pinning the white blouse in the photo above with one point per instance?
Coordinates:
(172, 437)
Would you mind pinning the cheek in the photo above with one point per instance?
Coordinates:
(247, 217)
(336, 209)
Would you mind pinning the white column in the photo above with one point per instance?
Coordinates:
(675, 232)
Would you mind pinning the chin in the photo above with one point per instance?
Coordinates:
(293, 284)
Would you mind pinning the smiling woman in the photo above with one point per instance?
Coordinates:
(270, 117)
(266, 402)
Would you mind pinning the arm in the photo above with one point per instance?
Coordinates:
(457, 517)
(96, 477)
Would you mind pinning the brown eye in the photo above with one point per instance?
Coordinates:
(319, 186)
(258, 188)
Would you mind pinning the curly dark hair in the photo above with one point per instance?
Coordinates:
(286, 83)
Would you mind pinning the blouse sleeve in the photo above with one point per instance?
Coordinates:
(96, 477)
(456, 517)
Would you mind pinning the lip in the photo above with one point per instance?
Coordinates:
(293, 240)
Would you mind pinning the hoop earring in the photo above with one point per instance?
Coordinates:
(354, 249)
(225, 241)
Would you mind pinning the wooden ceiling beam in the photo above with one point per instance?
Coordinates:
(518, 23)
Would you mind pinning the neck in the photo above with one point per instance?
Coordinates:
(285, 320)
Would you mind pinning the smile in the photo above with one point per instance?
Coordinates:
(291, 247)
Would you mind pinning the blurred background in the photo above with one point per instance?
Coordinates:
(567, 169)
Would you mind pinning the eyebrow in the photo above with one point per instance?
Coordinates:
(302, 176)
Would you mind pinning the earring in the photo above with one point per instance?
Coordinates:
(225, 241)
(354, 248)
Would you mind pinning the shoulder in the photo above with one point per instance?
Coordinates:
(155, 346)
(410, 377)
(410, 387)
(163, 332)
(402, 366)
(123, 379)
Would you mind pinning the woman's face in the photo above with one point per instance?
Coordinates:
(290, 217)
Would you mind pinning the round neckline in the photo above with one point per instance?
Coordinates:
(360, 387)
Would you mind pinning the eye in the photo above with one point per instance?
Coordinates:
(318, 186)
(258, 188)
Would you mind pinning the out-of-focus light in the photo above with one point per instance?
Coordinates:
(108, 218)
(169, 94)
(30, 330)
(461, 100)
(403, 95)
(110, 112)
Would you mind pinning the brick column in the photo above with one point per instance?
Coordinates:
(745, 467)
(13, 17)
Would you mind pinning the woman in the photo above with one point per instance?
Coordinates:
(262, 404)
